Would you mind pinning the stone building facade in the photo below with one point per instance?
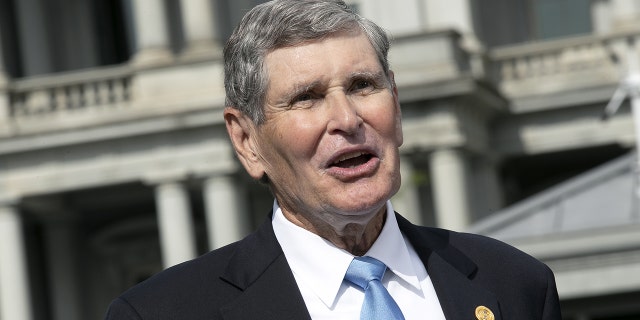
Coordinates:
(114, 160)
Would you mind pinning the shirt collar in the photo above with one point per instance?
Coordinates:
(323, 271)
(391, 248)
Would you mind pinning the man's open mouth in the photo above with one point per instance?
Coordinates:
(352, 160)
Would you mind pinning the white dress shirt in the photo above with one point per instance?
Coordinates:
(319, 268)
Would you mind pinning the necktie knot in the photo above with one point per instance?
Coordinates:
(366, 273)
(363, 270)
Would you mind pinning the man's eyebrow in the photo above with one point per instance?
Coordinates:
(378, 76)
(368, 74)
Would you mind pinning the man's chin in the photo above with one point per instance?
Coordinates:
(364, 210)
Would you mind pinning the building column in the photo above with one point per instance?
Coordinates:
(4, 94)
(626, 14)
(3, 74)
(453, 14)
(601, 16)
(459, 16)
(4, 102)
(15, 298)
(226, 214)
(33, 37)
(175, 223)
(200, 28)
(407, 200)
(63, 266)
(449, 174)
(152, 33)
(486, 190)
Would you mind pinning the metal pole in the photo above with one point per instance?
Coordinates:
(632, 84)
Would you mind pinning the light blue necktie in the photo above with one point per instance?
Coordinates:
(366, 272)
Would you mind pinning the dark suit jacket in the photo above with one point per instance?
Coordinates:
(251, 279)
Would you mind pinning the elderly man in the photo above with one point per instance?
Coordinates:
(313, 112)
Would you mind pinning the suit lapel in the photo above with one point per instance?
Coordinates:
(451, 272)
(260, 270)
(269, 290)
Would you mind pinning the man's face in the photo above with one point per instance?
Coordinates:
(330, 141)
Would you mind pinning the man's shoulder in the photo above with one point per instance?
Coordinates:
(482, 248)
(496, 260)
(523, 285)
(196, 282)
(490, 250)
(209, 265)
(484, 251)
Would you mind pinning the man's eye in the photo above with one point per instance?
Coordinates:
(303, 97)
(362, 85)
(303, 100)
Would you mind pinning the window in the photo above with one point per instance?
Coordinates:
(560, 18)
(503, 22)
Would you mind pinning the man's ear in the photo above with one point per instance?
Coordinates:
(242, 132)
(394, 87)
(396, 101)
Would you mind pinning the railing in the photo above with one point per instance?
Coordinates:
(599, 56)
(548, 58)
(71, 92)
(534, 68)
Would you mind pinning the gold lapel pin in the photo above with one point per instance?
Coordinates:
(484, 313)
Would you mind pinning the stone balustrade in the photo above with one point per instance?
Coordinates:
(521, 70)
(563, 64)
(101, 88)
(522, 64)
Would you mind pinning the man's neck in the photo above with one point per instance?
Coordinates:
(354, 237)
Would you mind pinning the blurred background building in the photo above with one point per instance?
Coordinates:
(114, 160)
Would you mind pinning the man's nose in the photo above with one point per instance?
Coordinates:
(343, 115)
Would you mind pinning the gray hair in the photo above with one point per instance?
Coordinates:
(284, 23)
